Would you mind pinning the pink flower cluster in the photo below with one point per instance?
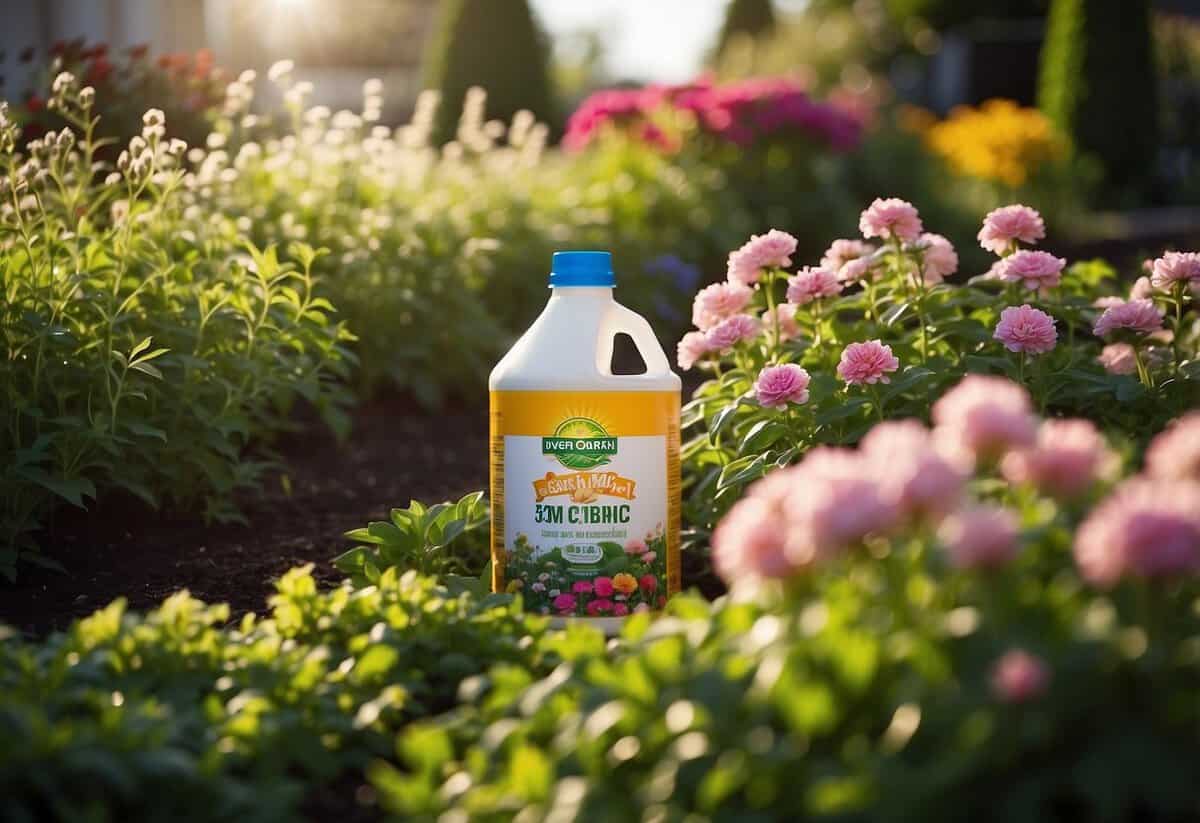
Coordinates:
(983, 417)
(784, 319)
(1067, 459)
(718, 302)
(1005, 227)
(1019, 677)
(939, 260)
(811, 284)
(891, 219)
(1136, 317)
(1176, 267)
(772, 250)
(741, 113)
(1036, 270)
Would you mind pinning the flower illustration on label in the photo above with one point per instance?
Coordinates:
(580, 443)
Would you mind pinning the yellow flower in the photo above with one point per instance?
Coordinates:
(999, 141)
(625, 583)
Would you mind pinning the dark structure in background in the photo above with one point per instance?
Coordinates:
(754, 18)
(491, 43)
(1099, 85)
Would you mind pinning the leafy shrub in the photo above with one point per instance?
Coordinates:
(925, 333)
(139, 356)
(127, 717)
(1098, 85)
(495, 44)
(950, 657)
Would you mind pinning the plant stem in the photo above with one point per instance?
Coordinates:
(769, 288)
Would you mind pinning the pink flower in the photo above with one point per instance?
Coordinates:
(717, 302)
(620, 609)
(648, 583)
(1026, 329)
(980, 537)
(1141, 290)
(728, 333)
(1175, 453)
(565, 602)
(892, 218)
(841, 252)
(982, 417)
(649, 557)
(1019, 677)
(1068, 458)
(599, 607)
(691, 348)
(635, 545)
(641, 608)
(867, 362)
(915, 477)
(772, 250)
(940, 259)
(786, 315)
(1004, 227)
(1035, 269)
(603, 586)
(1108, 302)
(810, 284)
(1176, 267)
(798, 516)
(582, 587)
(855, 270)
(1136, 317)
(1147, 527)
(779, 385)
(1118, 358)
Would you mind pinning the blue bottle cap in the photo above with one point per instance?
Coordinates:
(582, 268)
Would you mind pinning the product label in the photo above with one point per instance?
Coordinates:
(585, 500)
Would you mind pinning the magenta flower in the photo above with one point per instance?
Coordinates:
(1174, 454)
(914, 476)
(891, 219)
(620, 609)
(1070, 456)
(1035, 269)
(731, 331)
(810, 284)
(1003, 228)
(983, 417)
(1146, 528)
(772, 250)
(1026, 329)
(980, 537)
(565, 602)
(867, 362)
(1019, 677)
(603, 586)
(718, 302)
(1118, 358)
(940, 259)
(841, 252)
(582, 587)
(1176, 267)
(777, 386)
(599, 606)
(785, 314)
(691, 348)
(1135, 317)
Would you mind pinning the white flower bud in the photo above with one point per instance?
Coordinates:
(280, 70)
(154, 117)
(64, 81)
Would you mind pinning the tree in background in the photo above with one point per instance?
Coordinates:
(746, 17)
(1098, 85)
(495, 44)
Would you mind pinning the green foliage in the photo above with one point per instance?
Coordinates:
(1098, 85)
(139, 355)
(494, 44)
(746, 18)
(423, 538)
(176, 713)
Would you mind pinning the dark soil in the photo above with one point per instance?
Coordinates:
(395, 452)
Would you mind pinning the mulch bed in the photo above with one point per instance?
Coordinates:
(395, 452)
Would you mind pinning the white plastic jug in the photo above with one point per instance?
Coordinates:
(585, 463)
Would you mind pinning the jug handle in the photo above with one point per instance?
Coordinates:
(619, 319)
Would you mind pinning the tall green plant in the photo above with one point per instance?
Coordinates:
(1098, 85)
(495, 44)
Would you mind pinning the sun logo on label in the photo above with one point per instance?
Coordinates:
(580, 443)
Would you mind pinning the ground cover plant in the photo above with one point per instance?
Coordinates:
(137, 356)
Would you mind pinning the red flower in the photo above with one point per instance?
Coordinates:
(34, 104)
(649, 583)
(99, 71)
(599, 607)
(139, 51)
(58, 48)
